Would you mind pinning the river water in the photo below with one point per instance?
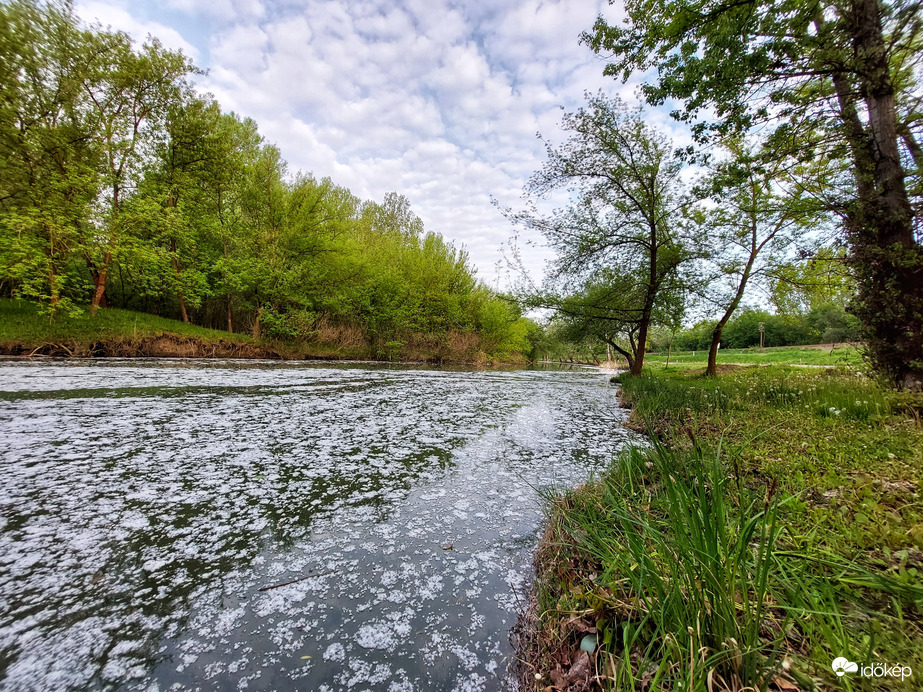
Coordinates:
(232, 525)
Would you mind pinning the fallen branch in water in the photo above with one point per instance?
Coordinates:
(295, 581)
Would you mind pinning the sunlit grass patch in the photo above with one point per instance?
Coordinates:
(843, 355)
(824, 394)
(22, 321)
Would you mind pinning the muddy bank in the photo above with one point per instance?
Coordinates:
(161, 346)
(169, 345)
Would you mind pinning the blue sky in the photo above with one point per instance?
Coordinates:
(434, 99)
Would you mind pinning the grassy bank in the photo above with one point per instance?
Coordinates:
(773, 525)
(113, 332)
(23, 331)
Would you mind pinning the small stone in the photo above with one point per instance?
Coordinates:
(588, 643)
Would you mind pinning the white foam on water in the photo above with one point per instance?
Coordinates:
(189, 526)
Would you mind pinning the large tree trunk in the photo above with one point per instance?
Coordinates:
(654, 280)
(887, 259)
(629, 357)
(639, 347)
(99, 295)
(256, 323)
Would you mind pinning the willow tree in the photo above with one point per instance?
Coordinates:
(829, 81)
(606, 309)
(620, 242)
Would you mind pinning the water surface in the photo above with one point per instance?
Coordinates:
(190, 525)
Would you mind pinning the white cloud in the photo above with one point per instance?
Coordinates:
(435, 99)
(120, 19)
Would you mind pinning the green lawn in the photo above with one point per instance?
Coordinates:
(775, 524)
(825, 354)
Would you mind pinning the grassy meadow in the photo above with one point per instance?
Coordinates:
(821, 354)
(772, 525)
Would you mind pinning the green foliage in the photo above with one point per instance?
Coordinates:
(693, 552)
(824, 279)
(23, 322)
(119, 186)
(832, 86)
(824, 324)
(841, 355)
(620, 244)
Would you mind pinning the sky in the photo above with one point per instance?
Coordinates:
(437, 100)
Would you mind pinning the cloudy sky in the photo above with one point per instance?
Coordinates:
(439, 100)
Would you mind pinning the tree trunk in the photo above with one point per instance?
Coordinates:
(629, 358)
(179, 291)
(99, 295)
(256, 323)
(638, 364)
(888, 261)
(230, 321)
(711, 370)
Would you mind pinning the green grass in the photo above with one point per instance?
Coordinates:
(21, 322)
(826, 354)
(774, 524)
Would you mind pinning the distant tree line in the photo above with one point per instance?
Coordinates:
(121, 186)
(824, 325)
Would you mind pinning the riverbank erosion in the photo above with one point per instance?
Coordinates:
(126, 334)
(773, 525)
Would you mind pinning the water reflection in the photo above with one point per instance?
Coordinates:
(190, 525)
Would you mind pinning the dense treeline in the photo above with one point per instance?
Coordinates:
(823, 325)
(123, 187)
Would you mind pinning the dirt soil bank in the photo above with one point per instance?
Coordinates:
(162, 346)
(169, 345)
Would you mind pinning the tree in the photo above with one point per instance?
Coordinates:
(620, 244)
(606, 309)
(806, 71)
(821, 278)
(129, 94)
(752, 227)
(232, 146)
(48, 163)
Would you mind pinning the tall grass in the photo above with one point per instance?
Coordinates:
(686, 555)
(852, 397)
(683, 572)
(827, 354)
(730, 553)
